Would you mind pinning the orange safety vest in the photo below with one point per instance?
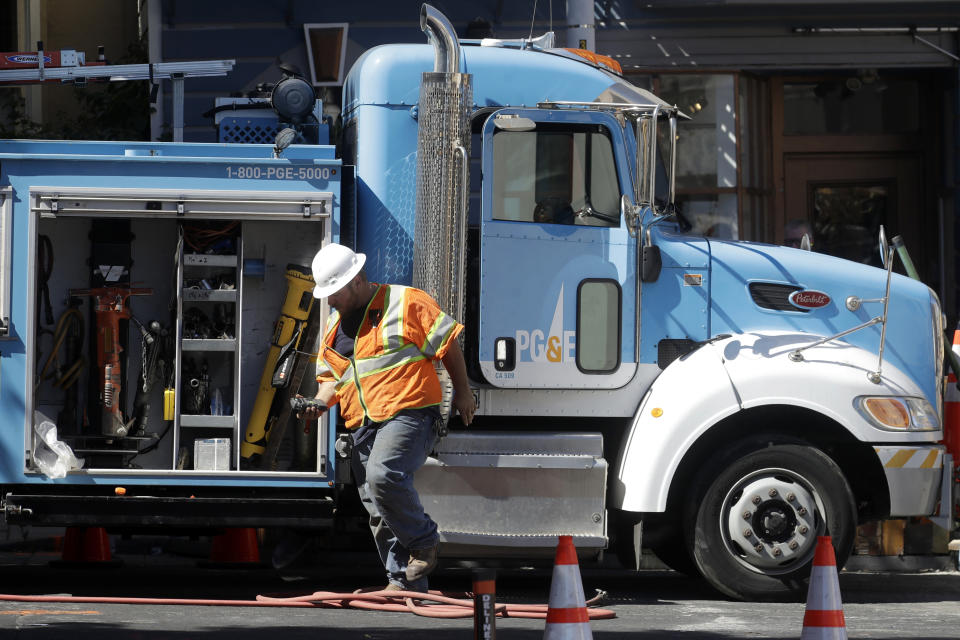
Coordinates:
(392, 364)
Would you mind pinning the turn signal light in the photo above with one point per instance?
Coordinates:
(889, 412)
(900, 413)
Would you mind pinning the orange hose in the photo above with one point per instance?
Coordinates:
(444, 607)
(399, 601)
(123, 600)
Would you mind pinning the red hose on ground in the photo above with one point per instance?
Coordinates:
(118, 600)
(399, 601)
(444, 606)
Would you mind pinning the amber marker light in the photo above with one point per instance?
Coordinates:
(597, 59)
(889, 412)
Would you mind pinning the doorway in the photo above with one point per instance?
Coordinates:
(845, 198)
(853, 150)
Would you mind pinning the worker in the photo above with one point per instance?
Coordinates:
(376, 360)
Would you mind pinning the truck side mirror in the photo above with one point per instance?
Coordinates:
(650, 263)
(650, 260)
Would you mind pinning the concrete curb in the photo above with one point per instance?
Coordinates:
(905, 564)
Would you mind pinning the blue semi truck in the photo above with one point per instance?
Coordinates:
(721, 403)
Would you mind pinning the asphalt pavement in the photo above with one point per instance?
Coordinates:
(915, 602)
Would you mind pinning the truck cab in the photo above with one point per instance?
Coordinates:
(727, 399)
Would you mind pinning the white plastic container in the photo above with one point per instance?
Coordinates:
(211, 454)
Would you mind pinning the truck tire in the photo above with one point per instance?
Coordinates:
(754, 530)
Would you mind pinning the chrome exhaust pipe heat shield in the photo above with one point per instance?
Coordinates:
(443, 160)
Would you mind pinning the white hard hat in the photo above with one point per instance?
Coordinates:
(334, 267)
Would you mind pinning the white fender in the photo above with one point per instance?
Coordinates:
(740, 372)
(826, 380)
(691, 394)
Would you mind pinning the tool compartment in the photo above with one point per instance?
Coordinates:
(141, 257)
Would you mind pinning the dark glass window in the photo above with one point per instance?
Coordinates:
(847, 218)
(598, 326)
(871, 104)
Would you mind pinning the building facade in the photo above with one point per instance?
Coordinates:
(832, 117)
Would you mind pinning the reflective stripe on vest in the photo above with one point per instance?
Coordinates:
(438, 334)
(392, 324)
(378, 364)
(322, 368)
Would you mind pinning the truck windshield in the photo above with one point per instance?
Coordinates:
(557, 174)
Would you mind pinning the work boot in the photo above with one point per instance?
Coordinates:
(422, 562)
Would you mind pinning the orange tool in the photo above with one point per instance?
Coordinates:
(110, 306)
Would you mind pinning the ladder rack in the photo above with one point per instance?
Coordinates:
(174, 71)
(120, 72)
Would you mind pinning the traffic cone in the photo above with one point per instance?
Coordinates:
(567, 617)
(823, 619)
(86, 546)
(235, 546)
(951, 409)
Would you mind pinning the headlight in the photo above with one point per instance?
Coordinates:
(899, 414)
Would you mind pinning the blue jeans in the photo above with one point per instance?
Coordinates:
(385, 457)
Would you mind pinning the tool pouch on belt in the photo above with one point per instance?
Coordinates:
(441, 428)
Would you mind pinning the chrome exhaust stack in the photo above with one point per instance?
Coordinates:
(443, 37)
(443, 164)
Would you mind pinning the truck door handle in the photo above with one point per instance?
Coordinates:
(504, 354)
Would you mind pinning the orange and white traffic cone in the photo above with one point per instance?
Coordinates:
(951, 409)
(86, 545)
(567, 617)
(235, 546)
(823, 619)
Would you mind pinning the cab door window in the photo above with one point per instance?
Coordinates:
(557, 174)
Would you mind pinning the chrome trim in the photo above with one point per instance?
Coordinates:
(443, 37)
(673, 160)
(6, 246)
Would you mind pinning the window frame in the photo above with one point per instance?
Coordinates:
(6, 273)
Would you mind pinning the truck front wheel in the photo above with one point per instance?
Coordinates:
(754, 531)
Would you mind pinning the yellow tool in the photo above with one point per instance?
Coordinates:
(296, 308)
(169, 403)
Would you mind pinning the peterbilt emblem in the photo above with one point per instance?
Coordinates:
(809, 299)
